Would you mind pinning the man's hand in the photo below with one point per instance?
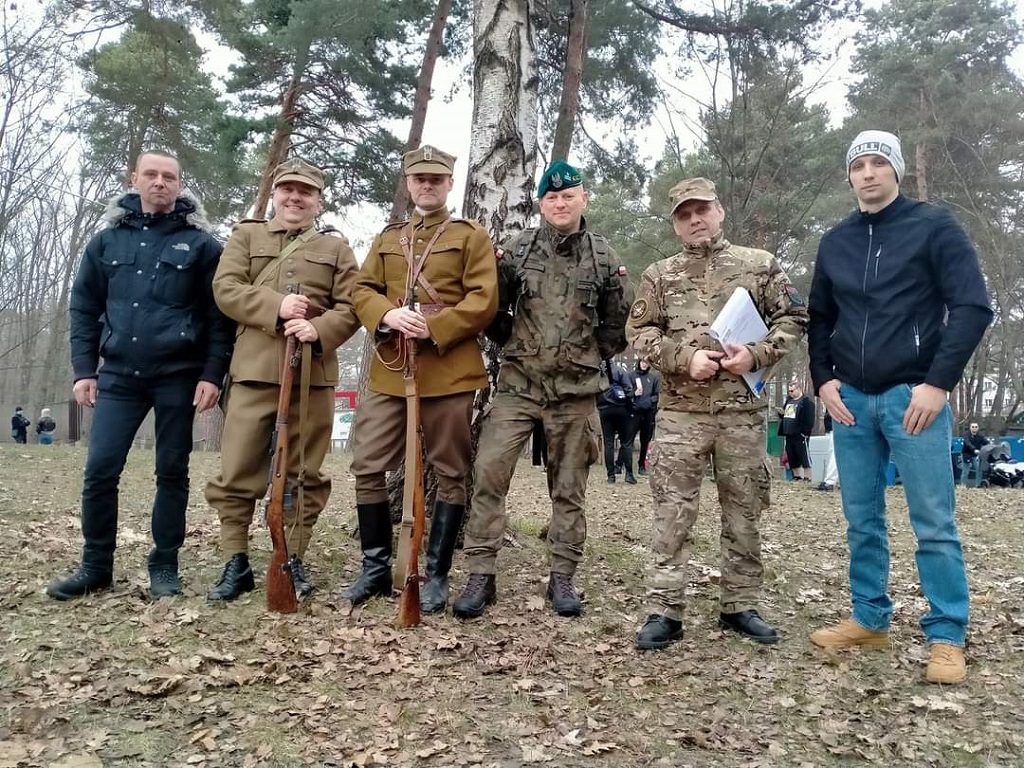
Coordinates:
(85, 392)
(925, 403)
(293, 307)
(704, 364)
(407, 322)
(206, 396)
(303, 330)
(829, 394)
(738, 359)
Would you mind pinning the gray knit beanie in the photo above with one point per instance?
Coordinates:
(877, 143)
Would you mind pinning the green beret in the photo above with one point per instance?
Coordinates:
(558, 176)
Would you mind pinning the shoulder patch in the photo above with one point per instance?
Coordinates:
(640, 310)
(794, 295)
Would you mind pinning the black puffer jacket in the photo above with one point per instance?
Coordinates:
(142, 299)
(883, 283)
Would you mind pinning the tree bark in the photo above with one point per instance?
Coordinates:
(279, 144)
(568, 107)
(400, 205)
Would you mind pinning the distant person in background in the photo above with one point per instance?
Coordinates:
(831, 478)
(540, 445)
(19, 426)
(45, 427)
(615, 407)
(647, 386)
(974, 441)
(796, 426)
(143, 303)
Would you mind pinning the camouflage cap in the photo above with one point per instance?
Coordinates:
(558, 176)
(692, 189)
(428, 159)
(298, 169)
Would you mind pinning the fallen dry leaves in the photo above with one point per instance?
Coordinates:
(116, 680)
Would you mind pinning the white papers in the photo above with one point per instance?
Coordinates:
(739, 322)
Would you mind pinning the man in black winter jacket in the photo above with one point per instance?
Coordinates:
(142, 301)
(796, 425)
(615, 408)
(897, 306)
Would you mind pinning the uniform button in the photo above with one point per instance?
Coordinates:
(114, 262)
(135, 303)
(291, 274)
(180, 266)
(137, 373)
(142, 244)
(138, 272)
(182, 333)
(135, 338)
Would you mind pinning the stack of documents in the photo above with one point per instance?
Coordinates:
(739, 322)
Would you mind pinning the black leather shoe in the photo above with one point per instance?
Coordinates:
(642, 471)
(303, 586)
(375, 539)
(749, 624)
(659, 631)
(611, 478)
(80, 583)
(236, 579)
(564, 599)
(163, 582)
(479, 592)
(629, 478)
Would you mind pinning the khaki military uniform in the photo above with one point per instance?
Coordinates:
(458, 297)
(571, 297)
(323, 268)
(717, 419)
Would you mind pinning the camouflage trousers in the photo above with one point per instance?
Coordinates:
(735, 443)
(570, 427)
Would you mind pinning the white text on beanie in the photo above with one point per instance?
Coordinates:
(880, 143)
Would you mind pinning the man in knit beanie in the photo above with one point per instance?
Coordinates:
(897, 307)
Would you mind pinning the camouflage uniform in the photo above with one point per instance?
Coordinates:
(571, 298)
(678, 299)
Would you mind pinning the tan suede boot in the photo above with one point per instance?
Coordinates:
(946, 664)
(849, 634)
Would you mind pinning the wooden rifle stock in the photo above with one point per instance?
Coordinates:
(413, 513)
(280, 587)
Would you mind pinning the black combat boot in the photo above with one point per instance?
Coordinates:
(658, 632)
(564, 599)
(749, 624)
(375, 537)
(444, 530)
(236, 579)
(303, 586)
(163, 573)
(477, 595)
(88, 578)
(629, 477)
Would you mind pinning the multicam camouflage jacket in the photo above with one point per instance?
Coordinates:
(678, 299)
(569, 296)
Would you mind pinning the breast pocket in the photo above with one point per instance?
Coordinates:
(175, 280)
(121, 273)
(317, 275)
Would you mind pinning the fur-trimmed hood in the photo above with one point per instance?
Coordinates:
(127, 204)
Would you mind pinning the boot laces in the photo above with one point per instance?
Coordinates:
(298, 568)
(561, 586)
(476, 585)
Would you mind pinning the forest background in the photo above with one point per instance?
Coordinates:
(761, 97)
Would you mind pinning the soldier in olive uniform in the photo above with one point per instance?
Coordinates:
(569, 297)
(706, 410)
(274, 278)
(448, 265)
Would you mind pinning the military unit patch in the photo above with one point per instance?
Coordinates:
(794, 295)
(639, 309)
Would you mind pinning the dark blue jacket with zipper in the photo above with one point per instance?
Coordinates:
(897, 298)
(143, 296)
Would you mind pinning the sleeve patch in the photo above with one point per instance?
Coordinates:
(622, 270)
(499, 253)
(639, 310)
(794, 295)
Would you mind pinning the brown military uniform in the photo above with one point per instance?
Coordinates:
(459, 303)
(717, 419)
(571, 298)
(324, 268)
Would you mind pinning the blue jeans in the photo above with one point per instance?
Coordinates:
(121, 405)
(862, 453)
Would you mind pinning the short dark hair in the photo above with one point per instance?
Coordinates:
(158, 153)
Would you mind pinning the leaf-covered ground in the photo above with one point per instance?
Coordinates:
(115, 680)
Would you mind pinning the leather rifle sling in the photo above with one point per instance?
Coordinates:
(416, 275)
(271, 270)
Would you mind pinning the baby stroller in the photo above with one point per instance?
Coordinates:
(998, 468)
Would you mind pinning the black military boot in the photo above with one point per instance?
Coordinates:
(749, 624)
(629, 477)
(375, 537)
(444, 530)
(163, 573)
(564, 599)
(236, 579)
(477, 595)
(87, 579)
(303, 586)
(658, 632)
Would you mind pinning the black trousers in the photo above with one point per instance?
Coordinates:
(616, 422)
